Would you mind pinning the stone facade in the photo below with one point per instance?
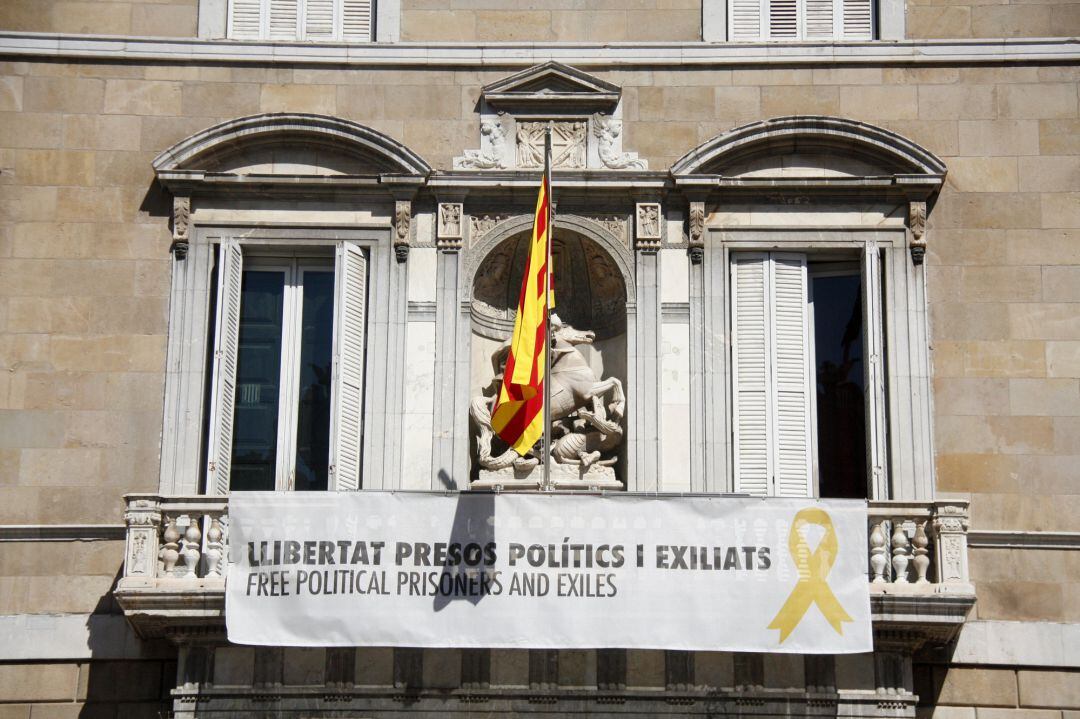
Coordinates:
(86, 274)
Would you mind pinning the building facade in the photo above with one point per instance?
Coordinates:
(808, 248)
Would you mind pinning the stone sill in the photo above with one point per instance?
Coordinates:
(516, 54)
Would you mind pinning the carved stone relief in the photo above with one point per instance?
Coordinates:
(567, 144)
(615, 224)
(607, 131)
(480, 225)
(448, 228)
(647, 226)
(492, 152)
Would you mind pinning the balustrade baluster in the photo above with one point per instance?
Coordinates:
(900, 552)
(878, 561)
(215, 548)
(170, 550)
(922, 554)
(190, 548)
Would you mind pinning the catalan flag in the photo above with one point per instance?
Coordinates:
(518, 417)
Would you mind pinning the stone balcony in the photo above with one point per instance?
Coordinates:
(176, 559)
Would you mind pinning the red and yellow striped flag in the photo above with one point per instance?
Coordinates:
(518, 417)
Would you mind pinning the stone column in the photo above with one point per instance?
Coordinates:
(700, 479)
(644, 399)
(449, 452)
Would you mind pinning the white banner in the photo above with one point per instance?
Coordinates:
(548, 571)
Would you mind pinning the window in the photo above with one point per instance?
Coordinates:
(287, 395)
(328, 20)
(802, 395)
(800, 19)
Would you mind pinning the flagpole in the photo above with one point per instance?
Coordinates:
(548, 279)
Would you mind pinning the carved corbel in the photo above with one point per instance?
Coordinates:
(648, 225)
(181, 225)
(402, 229)
(697, 232)
(449, 226)
(917, 225)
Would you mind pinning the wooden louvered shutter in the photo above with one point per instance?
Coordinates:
(744, 19)
(356, 20)
(283, 18)
(858, 19)
(246, 19)
(319, 20)
(819, 20)
(750, 372)
(771, 374)
(347, 395)
(226, 349)
(793, 457)
(783, 20)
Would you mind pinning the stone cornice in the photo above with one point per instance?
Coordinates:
(1016, 539)
(62, 532)
(592, 55)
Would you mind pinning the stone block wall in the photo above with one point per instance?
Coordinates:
(63, 690)
(981, 693)
(171, 18)
(84, 263)
(971, 18)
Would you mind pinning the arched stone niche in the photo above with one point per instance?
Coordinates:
(594, 290)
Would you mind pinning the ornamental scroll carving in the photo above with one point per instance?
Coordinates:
(402, 229)
(917, 224)
(697, 232)
(181, 225)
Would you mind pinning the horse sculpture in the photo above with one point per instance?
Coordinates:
(584, 426)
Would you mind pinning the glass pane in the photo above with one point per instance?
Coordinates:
(258, 378)
(316, 359)
(841, 413)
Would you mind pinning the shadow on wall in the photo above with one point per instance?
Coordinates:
(473, 528)
(125, 676)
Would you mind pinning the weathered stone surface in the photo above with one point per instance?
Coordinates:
(1049, 689)
(38, 682)
(979, 687)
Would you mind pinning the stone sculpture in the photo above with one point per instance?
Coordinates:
(586, 430)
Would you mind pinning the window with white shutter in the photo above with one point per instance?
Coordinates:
(801, 327)
(301, 20)
(794, 20)
(287, 399)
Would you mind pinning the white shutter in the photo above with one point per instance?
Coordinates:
(319, 19)
(819, 20)
(356, 20)
(783, 20)
(347, 395)
(792, 465)
(750, 372)
(246, 19)
(226, 348)
(858, 19)
(744, 19)
(283, 17)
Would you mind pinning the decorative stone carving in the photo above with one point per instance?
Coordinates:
(917, 224)
(492, 150)
(586, 429)
(480, 225)
(449, 227)
(615, 224)
(950, 527)
(647, 226)
(697, 232)
(607, 131)
(402, 229)
(567, 144)
(181, 225)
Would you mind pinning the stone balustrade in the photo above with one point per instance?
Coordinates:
(176, 559)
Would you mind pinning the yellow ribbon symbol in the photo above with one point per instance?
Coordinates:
(813, 568)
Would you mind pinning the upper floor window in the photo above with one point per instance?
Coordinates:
(325, 20)
(800, 19)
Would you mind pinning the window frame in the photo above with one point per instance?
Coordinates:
(883, 258)
(219, 438)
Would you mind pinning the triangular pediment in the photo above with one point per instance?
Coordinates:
(552, 84)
